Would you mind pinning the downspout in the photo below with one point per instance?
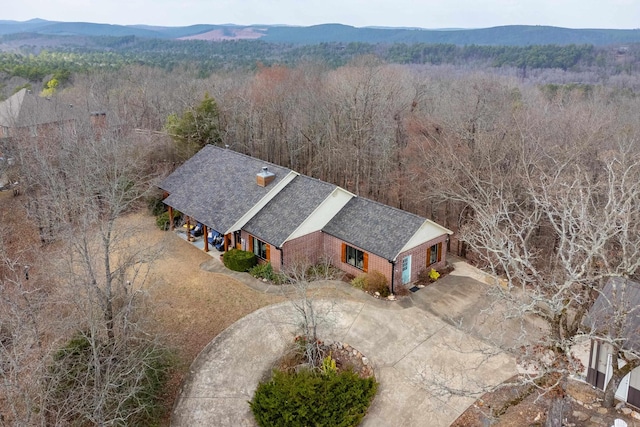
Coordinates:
(393, 274)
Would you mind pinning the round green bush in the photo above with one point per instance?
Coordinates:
(309, 398)
(238, 260)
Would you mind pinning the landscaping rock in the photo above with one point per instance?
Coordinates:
(581, 416)
(602, 410)
(635, 415)
(599, 421)
(626, 411)
(620, 405)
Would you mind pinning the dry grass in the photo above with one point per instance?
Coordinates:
(190, 306)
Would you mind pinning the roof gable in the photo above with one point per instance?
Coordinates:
(618, 303)
(374, 227)
(429, 230)
(218, 186)
(325, 212)
(288, 209)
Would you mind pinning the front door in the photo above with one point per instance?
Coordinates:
(406, 269)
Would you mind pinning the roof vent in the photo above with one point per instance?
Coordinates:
(265, 177)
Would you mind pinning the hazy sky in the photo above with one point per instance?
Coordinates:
(359, 13)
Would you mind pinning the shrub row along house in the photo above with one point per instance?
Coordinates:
(287, 218)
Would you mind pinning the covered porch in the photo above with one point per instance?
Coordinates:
(199, 242)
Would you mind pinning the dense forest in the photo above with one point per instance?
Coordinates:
(529, 154)
(33, 61)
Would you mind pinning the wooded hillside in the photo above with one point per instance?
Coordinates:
(535, 170)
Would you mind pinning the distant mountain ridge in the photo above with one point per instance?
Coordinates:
(509, 35)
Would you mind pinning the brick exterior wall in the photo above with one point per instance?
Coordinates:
(333, 249)
(274, 254)
(308, 249)
(317, 246)
(419, 259)
(274, 257)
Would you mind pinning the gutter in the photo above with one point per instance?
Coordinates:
(393, 273)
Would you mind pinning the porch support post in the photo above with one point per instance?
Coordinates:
(188, 229)
(170, 218)
(205, 235)
(226, 242)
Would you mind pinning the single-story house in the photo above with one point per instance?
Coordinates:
(27, 115)
(285, 217)
(614, 315)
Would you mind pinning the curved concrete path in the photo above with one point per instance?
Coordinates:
(428, 369)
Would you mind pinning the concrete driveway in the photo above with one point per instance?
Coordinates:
(430, 365)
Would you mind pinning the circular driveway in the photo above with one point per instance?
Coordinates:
(429, 371)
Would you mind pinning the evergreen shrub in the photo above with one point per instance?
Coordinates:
(238, 260)
(310, 398)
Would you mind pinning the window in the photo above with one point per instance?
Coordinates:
(354, 257)
(434, 254)
(260, 248)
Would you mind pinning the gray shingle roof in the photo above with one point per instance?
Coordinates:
(218, 186)
(620, 299)
(374, 227)
(286, 211)
(24, 109)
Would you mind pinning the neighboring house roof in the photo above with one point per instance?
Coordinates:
(377, 228)
(282, 216)
(619, 301)
(218, 186)
(24, 109)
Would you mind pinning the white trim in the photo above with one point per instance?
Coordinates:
(322, 214)
(278, 187)
(609, 369)
(428, 231)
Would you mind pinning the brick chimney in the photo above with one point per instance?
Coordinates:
(99, 119)
(264, 177)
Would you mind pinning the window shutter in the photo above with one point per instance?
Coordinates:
(429, 256)
(268, 250)
(250, 243)
(344, 252)
(365, 261)
(439, 251)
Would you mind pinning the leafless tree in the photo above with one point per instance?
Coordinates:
(310, 313)
(556, 228)
(79, 188)
(23, 314)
